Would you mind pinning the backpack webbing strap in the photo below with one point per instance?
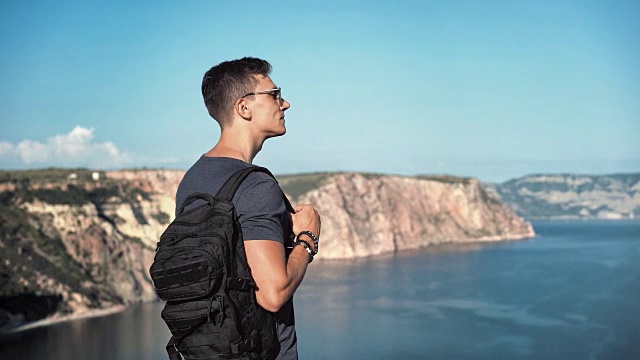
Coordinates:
(242, 284)
(244, 346)
(172, 351)
(228, 190)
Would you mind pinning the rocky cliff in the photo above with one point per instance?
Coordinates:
(365, 214)
(76, 240)
(572, 196)
(72, 241)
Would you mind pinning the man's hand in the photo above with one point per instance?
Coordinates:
(306, 218)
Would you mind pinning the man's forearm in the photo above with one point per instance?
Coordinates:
(277, 277)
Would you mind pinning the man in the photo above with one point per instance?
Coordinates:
(249, 108)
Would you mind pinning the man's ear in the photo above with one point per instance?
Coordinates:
(242, 109)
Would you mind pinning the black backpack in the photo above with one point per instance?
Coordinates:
(200, 269)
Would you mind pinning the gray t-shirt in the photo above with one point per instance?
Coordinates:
(262, 214)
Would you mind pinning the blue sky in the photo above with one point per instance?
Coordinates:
(491, 89)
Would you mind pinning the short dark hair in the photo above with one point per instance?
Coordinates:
(228, 81)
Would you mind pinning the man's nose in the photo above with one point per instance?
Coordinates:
(285, 104)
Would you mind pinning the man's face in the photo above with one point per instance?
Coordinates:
(268, 111)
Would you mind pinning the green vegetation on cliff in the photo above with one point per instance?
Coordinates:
(296, 185)
(50, 175)
(31, 254)
(447, 179)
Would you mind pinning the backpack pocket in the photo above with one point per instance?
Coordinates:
(190, 269)
(202, 328)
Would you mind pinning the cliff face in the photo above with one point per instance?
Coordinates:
(570, 196)
(71, 241)
(365, 215)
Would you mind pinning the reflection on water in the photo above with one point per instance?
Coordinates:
(137, 333)
(570, 293)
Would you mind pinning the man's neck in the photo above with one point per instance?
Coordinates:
(236, 147)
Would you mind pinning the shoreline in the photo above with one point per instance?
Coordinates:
(438, 244)
(56, 319)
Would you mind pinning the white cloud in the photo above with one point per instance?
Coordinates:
(75, 149)
(7, 149)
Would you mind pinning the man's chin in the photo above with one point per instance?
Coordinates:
(284, 128)
(278, 134)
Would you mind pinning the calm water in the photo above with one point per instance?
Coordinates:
(571, 293)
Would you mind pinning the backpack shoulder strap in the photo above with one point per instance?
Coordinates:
(196, 196)
(228, 190)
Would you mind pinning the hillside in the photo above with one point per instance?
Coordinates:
(572, 196)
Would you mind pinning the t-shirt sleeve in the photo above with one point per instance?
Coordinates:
(261, 209)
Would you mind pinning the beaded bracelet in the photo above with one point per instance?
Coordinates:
(312, 236)
(307, 247)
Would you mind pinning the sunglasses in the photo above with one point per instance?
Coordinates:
(275, 92)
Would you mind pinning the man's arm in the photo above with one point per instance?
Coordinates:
(276, 276)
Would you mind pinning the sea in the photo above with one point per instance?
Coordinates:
(572, 292)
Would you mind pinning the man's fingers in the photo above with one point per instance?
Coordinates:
(304, 213)
(300, 207)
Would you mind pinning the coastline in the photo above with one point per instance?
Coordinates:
(436, 244)
(55, 319)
